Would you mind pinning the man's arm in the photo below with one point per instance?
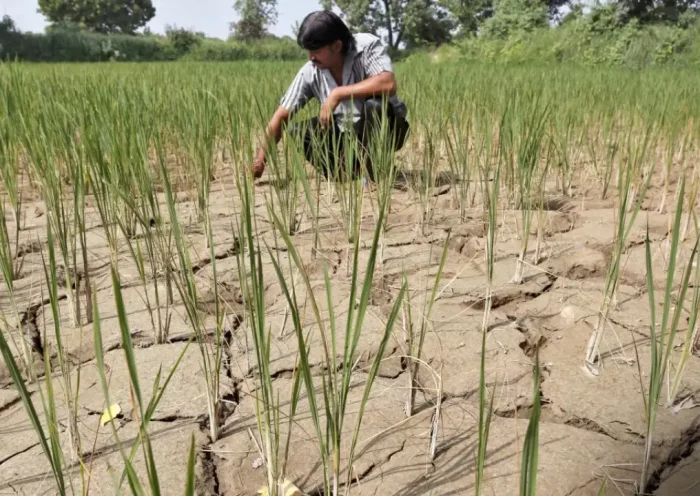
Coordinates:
(298, 93)
(273, 134)
(383, 84)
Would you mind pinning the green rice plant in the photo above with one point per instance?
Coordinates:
(662, 338)
(338, 371)
(530, 180)
(603, 135)
(267, 405)
(459, 141)
(540, 204)
(428, 172)
(528, 471)
(491, 184)
(145, 409)
(692, 200)
(152, 252)
(198, 132)
(212, 351)
(64, 362)
(40, 145)
(416, 337)
(690, 334)
(630, 175)
(50, 442)
(12, 197)
(379, 166)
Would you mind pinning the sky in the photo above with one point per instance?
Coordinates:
(209, 16)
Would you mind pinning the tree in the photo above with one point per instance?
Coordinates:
(256, 16)
(411, 21)
(515, 16)
(182, 40)
(102, 16)
(467, 15)
(658, 10)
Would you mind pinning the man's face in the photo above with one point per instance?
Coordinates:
(327, 57)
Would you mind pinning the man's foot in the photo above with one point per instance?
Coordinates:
(258, 170)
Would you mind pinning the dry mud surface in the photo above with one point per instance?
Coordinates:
(592, 429)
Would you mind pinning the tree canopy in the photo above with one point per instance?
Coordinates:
(256, 16)
(101, 16)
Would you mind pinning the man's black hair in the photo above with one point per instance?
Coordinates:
(323, 28)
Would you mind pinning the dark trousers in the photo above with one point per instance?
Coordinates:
(379, 130)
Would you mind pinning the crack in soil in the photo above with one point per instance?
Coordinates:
(231, 252)
(7, 459)
(582, 486)
(365, 473)
(680, 452)
(208, 480)
(10, 404)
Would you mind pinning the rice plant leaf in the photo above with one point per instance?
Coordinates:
(17, 379)
(190, 478)
(127, 342)
(528, 471)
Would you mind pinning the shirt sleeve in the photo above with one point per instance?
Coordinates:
(298, 93)
(376, 59)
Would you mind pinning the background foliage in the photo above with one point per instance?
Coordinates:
(632, 33)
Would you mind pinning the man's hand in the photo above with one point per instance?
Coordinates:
(325, 117)
(258, 168)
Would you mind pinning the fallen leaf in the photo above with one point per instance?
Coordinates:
(110, 414)
(288, 489)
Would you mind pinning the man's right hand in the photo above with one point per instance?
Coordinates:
(258, 168)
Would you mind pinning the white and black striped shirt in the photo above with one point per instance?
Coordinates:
(369, 58)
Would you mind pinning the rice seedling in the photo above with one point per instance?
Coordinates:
(491, 185)
(528, 471)
(212, 351)
(415, 338)
(144, 409)
(531, 135)
(633, 179)
(663, 333)
(459, 141)
(338, 371)
(267, 404)
(50, 443)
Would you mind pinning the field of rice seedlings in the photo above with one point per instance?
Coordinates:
(511, 308)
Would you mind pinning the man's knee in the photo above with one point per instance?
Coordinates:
(375, 108)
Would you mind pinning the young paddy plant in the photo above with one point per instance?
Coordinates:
(491, 184)
(211, 347)
(663, 333)
(530, 172)
(145, 408)
(338, 365)
(634, 177)
(417, 331)
(459, 142)
(40, 144)
(269, 415)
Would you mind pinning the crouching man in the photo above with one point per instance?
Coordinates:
(352, 77)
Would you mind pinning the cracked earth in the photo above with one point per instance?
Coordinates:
(591, 428)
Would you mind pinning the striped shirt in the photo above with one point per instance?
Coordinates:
(369, 58)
